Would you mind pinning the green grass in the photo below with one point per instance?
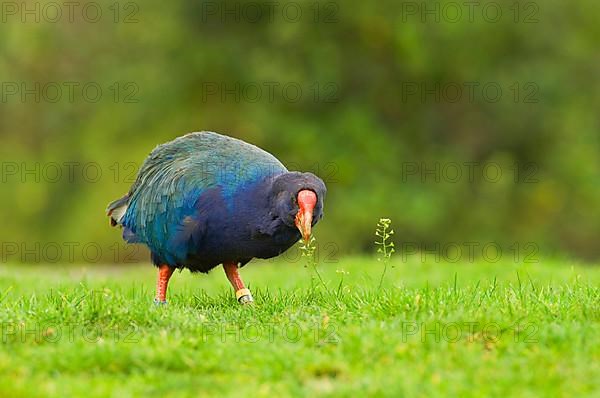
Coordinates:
(437, 329)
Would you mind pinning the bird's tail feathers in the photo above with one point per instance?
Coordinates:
(116, 210)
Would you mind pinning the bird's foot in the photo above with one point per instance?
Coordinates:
(160, 302)
(244, 296)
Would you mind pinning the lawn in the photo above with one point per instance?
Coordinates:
(432, 329)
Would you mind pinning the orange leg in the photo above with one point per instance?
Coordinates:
(164, 273)
(242, 294)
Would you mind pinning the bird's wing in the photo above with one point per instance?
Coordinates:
(163, 209)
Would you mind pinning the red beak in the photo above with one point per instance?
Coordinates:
(307, 200)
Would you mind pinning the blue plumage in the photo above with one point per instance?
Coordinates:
(205, 199)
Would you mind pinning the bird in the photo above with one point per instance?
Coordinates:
(205, 199)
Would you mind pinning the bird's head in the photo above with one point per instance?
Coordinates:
(299, 200)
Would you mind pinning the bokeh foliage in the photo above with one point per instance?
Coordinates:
(362, 134)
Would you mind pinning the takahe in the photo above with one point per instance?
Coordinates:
(206, 199)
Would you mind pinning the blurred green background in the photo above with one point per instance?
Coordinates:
(386, 101)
